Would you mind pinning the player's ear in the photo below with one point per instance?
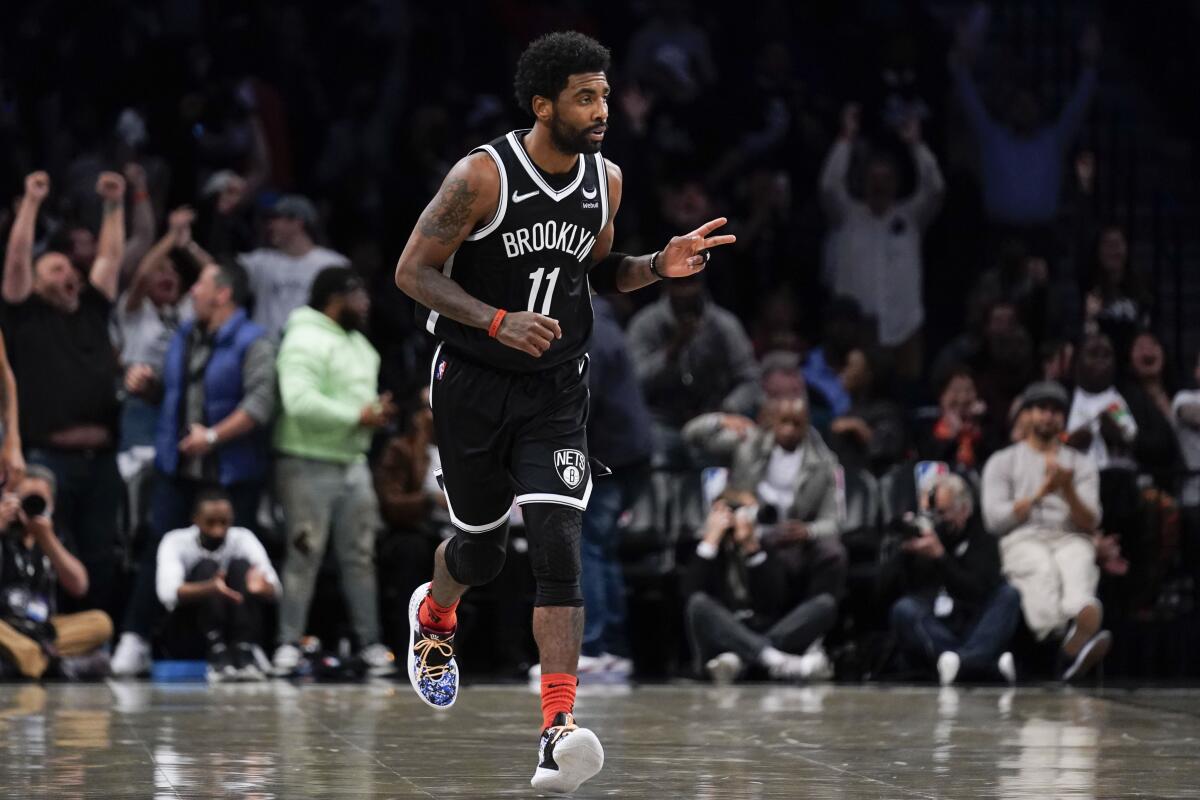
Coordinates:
(543, 108)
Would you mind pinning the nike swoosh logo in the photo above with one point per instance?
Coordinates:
(589, 195)
(518, 198)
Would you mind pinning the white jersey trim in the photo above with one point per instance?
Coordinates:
(432, 372)
(536, 176)
(447, 269)
(602, 180)
(558, 499)
(458, 523)
(502, 207)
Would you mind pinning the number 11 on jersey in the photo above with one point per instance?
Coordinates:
(551, 280)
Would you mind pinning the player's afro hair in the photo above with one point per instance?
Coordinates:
(549, 60)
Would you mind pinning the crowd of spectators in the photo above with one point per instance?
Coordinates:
(816, 471)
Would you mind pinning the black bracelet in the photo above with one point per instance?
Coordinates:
(653, 268)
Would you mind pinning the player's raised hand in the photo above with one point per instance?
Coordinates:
(686, 255)
(529, 332)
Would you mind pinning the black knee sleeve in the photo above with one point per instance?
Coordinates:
(554, 533)
(474, 559)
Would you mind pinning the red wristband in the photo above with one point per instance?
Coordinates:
(494, 328)
(140, 196)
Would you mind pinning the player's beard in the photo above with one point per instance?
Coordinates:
(570, 140)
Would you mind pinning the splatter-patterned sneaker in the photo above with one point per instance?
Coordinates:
(432, 668)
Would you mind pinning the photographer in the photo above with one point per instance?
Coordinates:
(32, 562)
(767, 578)
(955, 609)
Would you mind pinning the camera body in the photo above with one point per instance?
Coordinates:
(759, 514)
(913, 526)
(32, 505)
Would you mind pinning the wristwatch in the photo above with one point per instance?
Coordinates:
(210, 437)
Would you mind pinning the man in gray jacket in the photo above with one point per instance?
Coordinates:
(786, 476)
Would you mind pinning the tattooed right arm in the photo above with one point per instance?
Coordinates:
(452, 211)
(469, 194)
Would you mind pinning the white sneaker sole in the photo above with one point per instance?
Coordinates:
(1089, 656)
(721, 671)
(414, 604)
(579, 757)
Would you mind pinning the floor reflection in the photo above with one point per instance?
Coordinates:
(138, 740)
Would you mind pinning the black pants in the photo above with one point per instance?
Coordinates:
(194, 627)
(87, 504)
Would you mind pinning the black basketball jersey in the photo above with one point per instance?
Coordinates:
(532, 256)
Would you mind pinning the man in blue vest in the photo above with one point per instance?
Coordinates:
(218, 398)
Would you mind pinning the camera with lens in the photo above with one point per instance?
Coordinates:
(34, 505)
(912, 526)
(763, 513)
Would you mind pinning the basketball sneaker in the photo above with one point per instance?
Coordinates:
(1092, 653)
(725, 668)
(432, 668)
(567, 756)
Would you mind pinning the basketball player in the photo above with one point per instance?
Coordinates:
(499, 266)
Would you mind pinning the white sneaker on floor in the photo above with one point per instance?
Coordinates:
(816, 666)
(379, 660)
(791, 668)
(947, 667)
(567, 756)
(725, 668)
(245, 664)
(618, 665)
(1007, 668)
(132, 657)
(1092, 653)
(286, 659)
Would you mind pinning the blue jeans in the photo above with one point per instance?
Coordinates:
(138, 421)
(923, 637)
(602, 581)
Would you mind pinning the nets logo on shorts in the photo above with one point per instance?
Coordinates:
(441, 370)
(571, 466)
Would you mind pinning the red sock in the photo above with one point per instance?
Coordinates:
(558, 696)
(440, 619)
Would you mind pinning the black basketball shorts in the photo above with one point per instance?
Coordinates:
(505, 436)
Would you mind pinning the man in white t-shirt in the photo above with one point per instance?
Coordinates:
(1100, 423)
(216, 581)
(282, 274)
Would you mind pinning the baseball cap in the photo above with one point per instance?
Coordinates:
(296, 206)
(1045, 392)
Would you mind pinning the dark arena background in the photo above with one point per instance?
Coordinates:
(905, 492)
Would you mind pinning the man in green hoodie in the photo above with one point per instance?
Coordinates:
(328, 377)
